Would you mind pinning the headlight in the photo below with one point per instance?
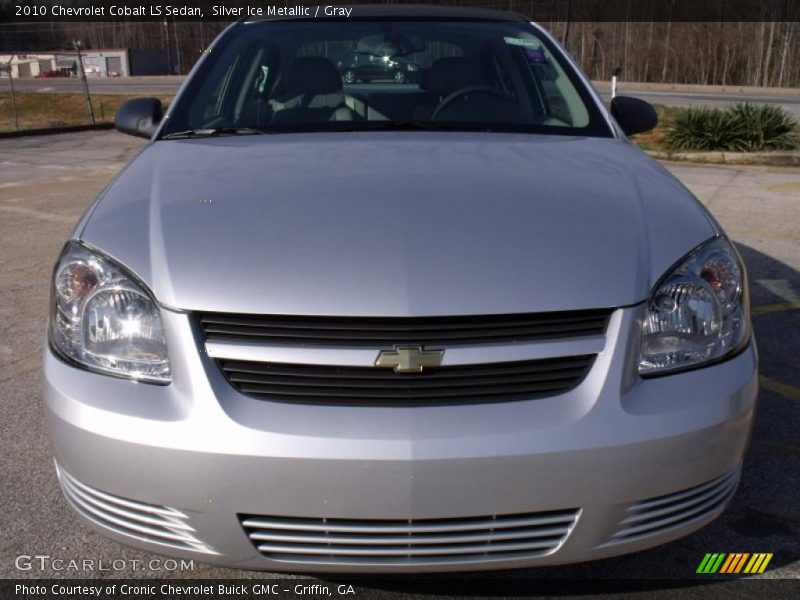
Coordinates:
(105, 320)
(698, 313)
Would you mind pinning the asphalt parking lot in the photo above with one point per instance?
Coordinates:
(46, 183)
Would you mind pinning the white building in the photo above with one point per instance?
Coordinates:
(104, 62)
(26, 64)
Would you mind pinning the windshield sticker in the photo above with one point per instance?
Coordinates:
(535, 55)
(512, 41)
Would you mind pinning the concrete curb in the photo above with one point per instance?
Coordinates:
(774, 159)
(54, 130)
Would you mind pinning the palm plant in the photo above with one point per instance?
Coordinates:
(742, 127)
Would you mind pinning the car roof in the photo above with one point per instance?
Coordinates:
(408, 11)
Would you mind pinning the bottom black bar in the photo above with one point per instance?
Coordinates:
(468, 586)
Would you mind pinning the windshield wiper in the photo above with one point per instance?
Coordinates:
(434, 126)
(212, 131)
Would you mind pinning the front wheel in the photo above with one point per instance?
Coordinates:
(349, 76)
(399, 77)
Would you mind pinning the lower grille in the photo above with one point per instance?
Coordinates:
(146, 522)
(664, 513)
(406, 542)
(490, 382)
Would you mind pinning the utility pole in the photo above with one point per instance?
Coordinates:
(77, 45)
(167, 44)
(13, 93)
(565, 41)
(177, 45)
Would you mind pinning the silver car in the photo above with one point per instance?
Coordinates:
(451, 324)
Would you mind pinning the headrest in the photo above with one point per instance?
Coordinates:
(447, 75)
(313, 75)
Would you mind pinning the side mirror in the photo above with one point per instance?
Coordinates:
(139, 117)
(633, 115)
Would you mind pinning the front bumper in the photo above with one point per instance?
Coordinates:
(607, 450)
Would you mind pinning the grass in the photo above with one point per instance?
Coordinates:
(41, 110)
(655, 140)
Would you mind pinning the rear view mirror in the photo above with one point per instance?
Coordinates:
(633, 115)
(139, 117)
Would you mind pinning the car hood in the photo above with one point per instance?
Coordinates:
(396, 223)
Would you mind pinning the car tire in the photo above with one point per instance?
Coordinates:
(399, 77)
(349, 77)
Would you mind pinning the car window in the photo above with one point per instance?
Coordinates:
(366, 75)
(558, 94)
(213, 94)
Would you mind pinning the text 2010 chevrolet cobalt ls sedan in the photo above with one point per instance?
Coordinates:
(460, 323)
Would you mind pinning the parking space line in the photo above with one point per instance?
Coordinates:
(782, 389)
(782, 288)
(765, 309)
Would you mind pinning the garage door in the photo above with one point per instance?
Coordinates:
(24, 69)
(113, 66)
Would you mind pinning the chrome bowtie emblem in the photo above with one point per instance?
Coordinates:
(409, 359)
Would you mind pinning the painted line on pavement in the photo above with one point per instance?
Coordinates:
(788, 391)
(766, 309)
(781, 288)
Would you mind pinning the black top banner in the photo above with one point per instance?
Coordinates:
(27, 11)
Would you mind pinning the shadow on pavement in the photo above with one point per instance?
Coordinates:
(764, 515)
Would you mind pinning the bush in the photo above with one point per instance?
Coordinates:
(742, 127)
(765, 126)
(704, 129)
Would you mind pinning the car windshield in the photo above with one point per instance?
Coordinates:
(480, 75)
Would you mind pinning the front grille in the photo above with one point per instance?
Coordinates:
(664, 513)
(151, 523)
(388, 331)
(405, 542)
(491, 382)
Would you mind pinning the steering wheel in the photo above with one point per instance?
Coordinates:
(470, 91)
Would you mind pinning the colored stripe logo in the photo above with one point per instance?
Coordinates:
(734, 563)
